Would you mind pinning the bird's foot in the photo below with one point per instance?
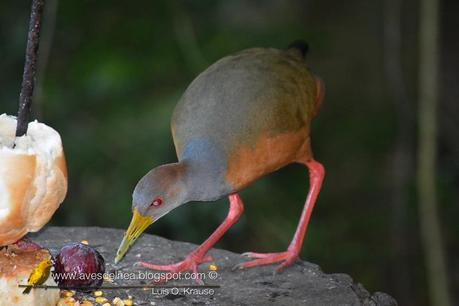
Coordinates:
(259, 259)
(190, 263)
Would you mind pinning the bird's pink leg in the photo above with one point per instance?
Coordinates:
(316, 176)
(198, 256)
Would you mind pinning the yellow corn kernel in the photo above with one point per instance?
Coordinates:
(107, 278)
(67, 293)
(106, 304)
(213, 267)
(68, 301)
(128, 302)
(101, 299)
(86, 303)
(97, 293)
(118, 302)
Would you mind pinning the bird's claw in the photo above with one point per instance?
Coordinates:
(190, 263)
(256, 255)
(287, 258)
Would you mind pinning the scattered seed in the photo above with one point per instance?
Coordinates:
(85, 242)
(128, 302)
(118, 302)
(101, 299)
(67, 301)
(86, 303)
(213, 267)
(67, 293)
(107, 278)
(97, 293)
(106, 304)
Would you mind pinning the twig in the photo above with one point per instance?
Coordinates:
(30, 67)
(48, 28)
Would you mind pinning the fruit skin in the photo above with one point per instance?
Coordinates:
(79, 266)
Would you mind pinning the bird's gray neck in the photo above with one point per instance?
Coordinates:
(205, 171)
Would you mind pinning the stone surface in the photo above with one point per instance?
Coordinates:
(302, 284)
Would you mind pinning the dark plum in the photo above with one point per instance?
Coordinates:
(79, 266)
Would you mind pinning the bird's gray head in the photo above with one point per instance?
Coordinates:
(157, 193)
(160, 191)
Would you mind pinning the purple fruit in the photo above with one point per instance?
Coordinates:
(79, 266)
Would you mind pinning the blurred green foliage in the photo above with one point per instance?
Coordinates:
(116, 69)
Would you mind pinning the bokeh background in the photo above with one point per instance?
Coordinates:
(112, 71)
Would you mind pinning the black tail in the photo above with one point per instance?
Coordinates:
(27, 290)
(301, 46)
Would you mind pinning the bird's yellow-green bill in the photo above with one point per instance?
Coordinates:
(138, 225)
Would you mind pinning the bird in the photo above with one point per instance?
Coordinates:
(247, 115)
(39, 275)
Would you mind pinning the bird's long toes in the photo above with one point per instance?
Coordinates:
(287, 262)
(255, 255)
(236, 267)
(253, 263)
(280, 268)
(197, 277)
(208, 258)
(287, 258)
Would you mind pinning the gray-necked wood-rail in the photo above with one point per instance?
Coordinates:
(245, 116)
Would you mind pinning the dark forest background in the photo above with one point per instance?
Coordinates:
(112, 71)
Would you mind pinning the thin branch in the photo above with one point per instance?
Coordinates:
(46, 42)
(30, 67)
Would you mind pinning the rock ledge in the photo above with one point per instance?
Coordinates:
(302, 284)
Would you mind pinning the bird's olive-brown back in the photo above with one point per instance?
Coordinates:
(248, 114)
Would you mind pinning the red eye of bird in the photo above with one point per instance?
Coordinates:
(157, 202)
